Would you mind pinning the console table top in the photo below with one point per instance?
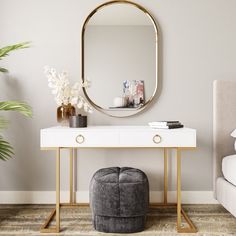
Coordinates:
(119, 127)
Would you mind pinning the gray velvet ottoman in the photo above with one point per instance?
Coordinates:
(119, 199)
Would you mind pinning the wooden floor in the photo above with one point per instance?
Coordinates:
(27, 219)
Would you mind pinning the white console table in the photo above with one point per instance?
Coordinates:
(57, 138)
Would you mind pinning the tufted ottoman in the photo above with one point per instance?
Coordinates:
(119, 199)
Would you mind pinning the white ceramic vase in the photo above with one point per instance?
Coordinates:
(119, 102)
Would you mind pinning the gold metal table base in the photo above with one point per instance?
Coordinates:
(180, 212)
(45, 227)
(180, 228)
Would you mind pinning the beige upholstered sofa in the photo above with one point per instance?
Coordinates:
(224, 122)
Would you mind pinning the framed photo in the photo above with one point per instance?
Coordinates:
(133, 91)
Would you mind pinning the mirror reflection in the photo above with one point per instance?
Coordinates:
(120, 52)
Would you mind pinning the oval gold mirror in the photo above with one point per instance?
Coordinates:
(120, 58)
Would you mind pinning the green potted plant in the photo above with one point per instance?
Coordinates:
(6, 150)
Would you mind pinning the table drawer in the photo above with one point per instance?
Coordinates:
(158, 138)
(78, 139)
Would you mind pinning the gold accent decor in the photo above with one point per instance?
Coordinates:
(156, 139)
(80, 139)
(156, 28)
(165, 175)
(58, 157)
(72, 204)
(71, 176)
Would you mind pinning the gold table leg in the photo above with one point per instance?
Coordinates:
(75, 174)
(56, 211)
(71, 175)
(165, 175)
(58, 191)
(180, 212)
(178, 189)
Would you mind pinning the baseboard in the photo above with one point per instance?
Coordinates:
(48, 197)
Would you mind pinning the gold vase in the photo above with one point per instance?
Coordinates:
(64, 112)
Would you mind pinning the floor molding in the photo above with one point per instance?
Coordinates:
(48, 197)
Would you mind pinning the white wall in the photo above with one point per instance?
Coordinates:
(198, 46)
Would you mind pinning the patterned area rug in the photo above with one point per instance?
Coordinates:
(27, 220)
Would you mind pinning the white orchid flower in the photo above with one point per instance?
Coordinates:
(80, 104)
(74, 100)
(63, 92)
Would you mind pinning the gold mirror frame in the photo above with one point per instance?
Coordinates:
(147, 103)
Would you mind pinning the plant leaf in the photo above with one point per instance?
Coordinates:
(3, 123)
(6, 150)
(5, 50)
(21, 107)
(3, 70)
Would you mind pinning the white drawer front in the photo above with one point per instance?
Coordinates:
(115, 137)
(78, 139)
(158, 138)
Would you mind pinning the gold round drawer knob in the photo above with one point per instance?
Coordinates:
(80, 139)
(157, 138)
